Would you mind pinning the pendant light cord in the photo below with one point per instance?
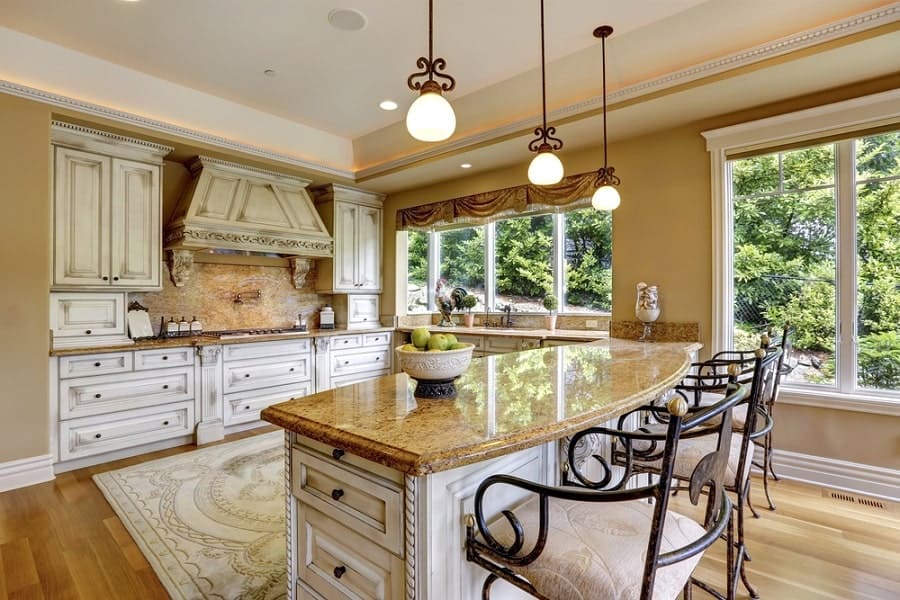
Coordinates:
(603, 50)
(543, 71)
(430, 35)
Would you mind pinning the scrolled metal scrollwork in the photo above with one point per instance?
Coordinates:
(545, 140)
(606, 176)
(430, 70)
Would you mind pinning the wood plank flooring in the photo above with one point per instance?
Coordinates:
(61, 540)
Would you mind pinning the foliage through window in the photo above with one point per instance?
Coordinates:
(462, 260)
(523, 262)
(588, 260)
(791, 263)
(417, 272)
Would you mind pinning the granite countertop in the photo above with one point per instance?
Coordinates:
(208, 340)
(505, 403)
(586, 335)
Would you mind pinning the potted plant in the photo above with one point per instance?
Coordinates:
(468, 303)
(551, 304)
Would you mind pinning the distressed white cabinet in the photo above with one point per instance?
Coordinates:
(107, 208)
(355, 218)
(345, 359)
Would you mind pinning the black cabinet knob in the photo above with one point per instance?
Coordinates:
(166, 386)
(247, 375)
(115, 278)
(165, 358)
(346, 362)
(292, 369)
(96, 364)
(88, 332)
(337, 493)
(377, 358)
(105, 278)
(165, 422)
(337, 453)
(339, 571)
(98, 436)
(97, 395)
(247, 407)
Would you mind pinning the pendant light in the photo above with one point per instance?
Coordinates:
(545, 168)
(607, 196)
(430, 118)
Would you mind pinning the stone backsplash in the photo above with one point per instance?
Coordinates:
(661, 331)
(210, 296)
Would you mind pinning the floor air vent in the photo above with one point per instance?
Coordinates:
(859, 500)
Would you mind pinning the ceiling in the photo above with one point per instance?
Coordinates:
(331, 81)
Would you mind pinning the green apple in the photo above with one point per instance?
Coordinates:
(438, 341)
(420, 337)
(452, 338)
(410, 348)
(457, 346)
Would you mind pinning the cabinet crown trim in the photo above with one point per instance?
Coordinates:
(80, 136)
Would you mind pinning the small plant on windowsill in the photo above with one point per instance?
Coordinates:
(468, 303)
(551, 304)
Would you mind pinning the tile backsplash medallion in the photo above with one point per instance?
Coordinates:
(210, 293)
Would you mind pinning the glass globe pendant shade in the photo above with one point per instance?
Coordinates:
(605, 198)
(545, 169)
(431, 118)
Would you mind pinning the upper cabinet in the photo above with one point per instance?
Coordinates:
(354, 217)
(107, 207)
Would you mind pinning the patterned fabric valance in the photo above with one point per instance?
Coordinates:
(490, 206)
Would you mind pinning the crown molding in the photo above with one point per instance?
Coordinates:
(53, 99)
(786, 45)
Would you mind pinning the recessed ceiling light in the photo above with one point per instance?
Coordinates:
(388, 105)
(347, 19)
(466, 166)
(267, 72)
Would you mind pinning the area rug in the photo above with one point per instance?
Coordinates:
(210, 521)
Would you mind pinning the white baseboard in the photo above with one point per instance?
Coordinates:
(838, 474)
(26, 471)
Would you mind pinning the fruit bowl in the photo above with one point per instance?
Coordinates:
(435, 370)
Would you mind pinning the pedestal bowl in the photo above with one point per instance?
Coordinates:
(435, 371)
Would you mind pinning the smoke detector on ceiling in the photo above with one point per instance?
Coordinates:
(347, 19)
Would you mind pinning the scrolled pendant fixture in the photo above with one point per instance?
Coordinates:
(545, 168)
(431, 118)
(607, 196)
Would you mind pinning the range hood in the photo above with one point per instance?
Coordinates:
(235, 207)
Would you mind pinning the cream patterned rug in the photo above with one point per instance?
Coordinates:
(210, 521)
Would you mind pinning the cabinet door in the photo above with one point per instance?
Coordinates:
(136, 231)
(368, 248)
(345, 257)
(81, 218)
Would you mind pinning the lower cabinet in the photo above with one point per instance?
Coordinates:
(352, 358)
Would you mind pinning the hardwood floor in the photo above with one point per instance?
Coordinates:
(61, 540)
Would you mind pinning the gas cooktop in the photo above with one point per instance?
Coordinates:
(236, 333)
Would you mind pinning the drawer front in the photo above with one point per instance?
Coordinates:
(343, 459)
(266, 372)
(244, 407)
(349, 363)
(362, 310)
(337, 382)
(342, 342)
(499, 344)
(83, 314)
(377, 339)
(279, 349)
(475, 340)
(106, 433)
(109, 393)
(368, 505)
(338, 564)
(95, 364)
(162, 358)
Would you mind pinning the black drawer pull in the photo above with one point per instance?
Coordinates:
(165, 387)
(247, 407)
(116, 278)
(105, 278)
(346, 362)
(97, 436)
(88, 332)
(377, 358)
(97, 395)
(165, 358)
(247, 375)
(337, 453)
(339, 571)
(346, 341)
(292, 369)
(337, 493)
(165, 422)
(96, 364)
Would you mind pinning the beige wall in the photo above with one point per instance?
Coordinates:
(662, 234)
(24, 277)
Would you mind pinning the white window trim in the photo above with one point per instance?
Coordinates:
(835, 119)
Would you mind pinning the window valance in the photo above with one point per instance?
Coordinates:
(488, 206)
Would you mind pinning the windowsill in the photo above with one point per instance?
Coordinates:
(543, 313)
(830, 399)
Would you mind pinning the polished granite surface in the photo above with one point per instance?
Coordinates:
(505, 403)
(585, 335)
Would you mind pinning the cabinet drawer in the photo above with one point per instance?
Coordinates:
(244, 407)
(475, 340)
(337, 382)
(168, 357)
(348, 363)
(500, 344)
(277, 349)
(377, 339)
(342, 459)
(266, 372)
(94, 364)
(87, 314)
(341, 342)
(109, 393)
(105, 433)
(337, 563)
(370, 506)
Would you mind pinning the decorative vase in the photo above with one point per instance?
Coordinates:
(646, 307)
(550, 322)
(469, 319)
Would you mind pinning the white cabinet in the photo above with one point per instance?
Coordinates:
(345, 359)
(355, 219)
(85, 319)
(107, 207)
(357, 311)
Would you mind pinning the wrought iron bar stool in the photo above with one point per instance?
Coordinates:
(614, 538)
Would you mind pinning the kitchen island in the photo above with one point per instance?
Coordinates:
(378, 482)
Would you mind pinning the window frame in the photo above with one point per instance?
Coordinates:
(848, 119)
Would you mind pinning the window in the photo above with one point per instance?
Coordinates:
(517, 262)
(815, 241)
